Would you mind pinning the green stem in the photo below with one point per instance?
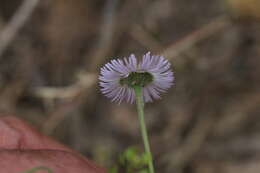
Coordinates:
(39, 168)
(140, 109)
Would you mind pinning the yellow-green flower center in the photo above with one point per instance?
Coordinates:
(137, 79)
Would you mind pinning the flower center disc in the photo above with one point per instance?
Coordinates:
(137, 79)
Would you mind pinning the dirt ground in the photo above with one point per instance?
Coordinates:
(51, 52)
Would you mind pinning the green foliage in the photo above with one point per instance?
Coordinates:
(131, 160)
(34, 170)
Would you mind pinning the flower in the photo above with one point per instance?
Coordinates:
(119, 77)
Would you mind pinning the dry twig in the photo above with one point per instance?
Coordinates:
(16, 23)
(196, 36)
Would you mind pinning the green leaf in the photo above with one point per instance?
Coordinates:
(145, 170)
(39, 168)
(114, 169)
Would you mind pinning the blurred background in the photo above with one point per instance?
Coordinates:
(51, 52)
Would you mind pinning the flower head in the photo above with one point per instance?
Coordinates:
(119, 77)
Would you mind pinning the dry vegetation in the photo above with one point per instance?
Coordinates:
(51, 52)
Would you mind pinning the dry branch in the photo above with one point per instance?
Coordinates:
(16, 23)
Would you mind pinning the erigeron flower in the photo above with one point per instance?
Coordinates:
(119, 77)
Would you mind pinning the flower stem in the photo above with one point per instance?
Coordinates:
(140, 109)
(39, 168)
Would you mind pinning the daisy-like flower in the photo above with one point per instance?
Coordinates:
(118, 78)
